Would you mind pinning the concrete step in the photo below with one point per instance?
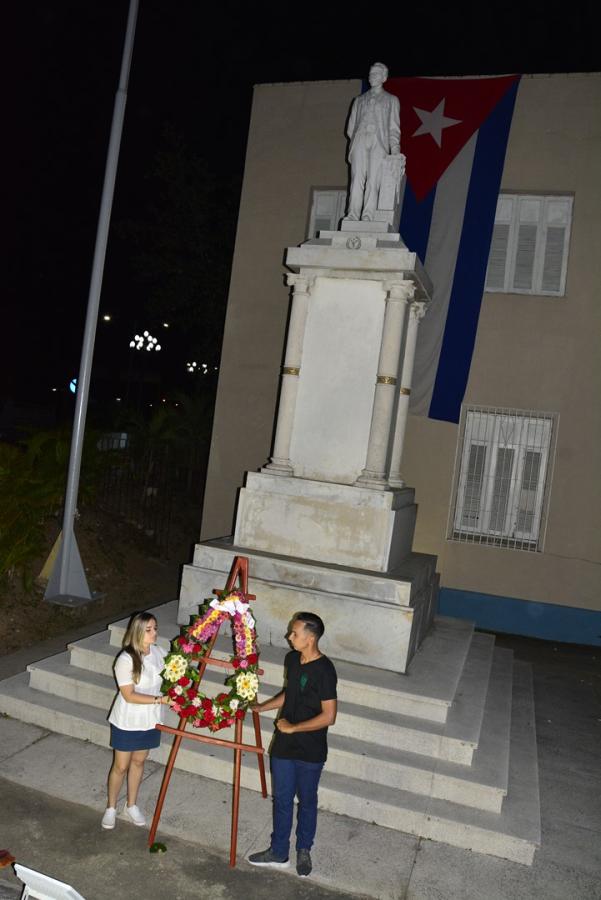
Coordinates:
(454, 740)
(513, 834)
(483, 784)
(56, 676)
(426, 692)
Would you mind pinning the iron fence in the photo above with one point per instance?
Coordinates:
(141, 484)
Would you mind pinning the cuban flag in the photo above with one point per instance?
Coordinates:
(454, 134)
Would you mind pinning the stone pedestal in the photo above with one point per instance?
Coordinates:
(374, 620)
(324, 524)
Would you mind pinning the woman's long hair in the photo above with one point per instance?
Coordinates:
(133, 640)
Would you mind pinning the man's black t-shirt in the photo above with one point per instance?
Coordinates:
(306, 686)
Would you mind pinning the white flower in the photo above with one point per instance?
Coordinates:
(175, 668)
(247, 685)
(230, 605)
(196, 701)
(178, 689)
(234, 704)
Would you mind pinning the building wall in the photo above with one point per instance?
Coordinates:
(532, 352)
(537, 353)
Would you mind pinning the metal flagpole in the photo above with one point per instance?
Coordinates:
(67, 585)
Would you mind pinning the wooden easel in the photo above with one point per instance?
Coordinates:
(239, 570)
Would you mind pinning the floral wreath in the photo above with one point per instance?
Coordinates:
(180, 674)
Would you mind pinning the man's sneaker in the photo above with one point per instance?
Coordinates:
(135, 816)
(303, 863)
(109, 817)
(268, 858)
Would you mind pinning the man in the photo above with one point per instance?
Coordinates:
(374, 131)
(300, 748)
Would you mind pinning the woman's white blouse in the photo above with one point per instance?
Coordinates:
(138, 716)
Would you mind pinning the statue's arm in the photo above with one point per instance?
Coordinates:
(352, 119)
(395, 125)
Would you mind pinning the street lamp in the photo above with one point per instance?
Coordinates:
(144, 341)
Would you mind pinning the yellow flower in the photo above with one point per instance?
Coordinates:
(247, 685)
(175, 668)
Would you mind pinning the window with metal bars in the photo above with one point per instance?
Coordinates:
(502, 477)
(529, 248)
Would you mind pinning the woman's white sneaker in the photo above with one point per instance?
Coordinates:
(134, 814)
(109, 817)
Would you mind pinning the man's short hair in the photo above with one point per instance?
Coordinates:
(312, 623)
(384, 68)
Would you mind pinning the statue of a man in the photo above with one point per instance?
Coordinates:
(374, 130)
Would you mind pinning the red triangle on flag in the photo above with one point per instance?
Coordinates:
(438, 117)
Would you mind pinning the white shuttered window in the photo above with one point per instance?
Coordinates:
(327, 209)
(529, 248)
(502, 477)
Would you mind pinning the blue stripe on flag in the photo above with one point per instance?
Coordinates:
(415, 221)
(470, 272)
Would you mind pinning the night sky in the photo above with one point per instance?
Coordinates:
(190, 90)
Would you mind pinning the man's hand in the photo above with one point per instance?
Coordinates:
(284, 726)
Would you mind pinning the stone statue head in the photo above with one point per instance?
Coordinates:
(378, 74)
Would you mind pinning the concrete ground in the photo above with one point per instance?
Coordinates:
(52, 794)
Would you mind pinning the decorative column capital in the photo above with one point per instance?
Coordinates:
(302, 284)
(400, 290)
(418, 309)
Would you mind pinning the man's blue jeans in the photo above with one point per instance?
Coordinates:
(292, 777)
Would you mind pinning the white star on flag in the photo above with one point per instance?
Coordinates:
(434, 122)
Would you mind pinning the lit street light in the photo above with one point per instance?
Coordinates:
(193, 367)
(144, 342)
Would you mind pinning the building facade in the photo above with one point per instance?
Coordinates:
(510, 497)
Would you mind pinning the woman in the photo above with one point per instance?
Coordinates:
(135, 712)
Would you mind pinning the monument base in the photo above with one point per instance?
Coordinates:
(324, 522)
(373, 619)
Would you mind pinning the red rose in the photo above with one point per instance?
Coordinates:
(239, 713)
(252, 658)
(192, 694)
(236, 663)
(206, 703)
(197, 648)
(221, 697)
(182, 640)
(183, 681)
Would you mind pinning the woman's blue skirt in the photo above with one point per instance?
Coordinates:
(134, 740)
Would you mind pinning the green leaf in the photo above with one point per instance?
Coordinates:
(157, 847)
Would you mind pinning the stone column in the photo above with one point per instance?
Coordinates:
(374, 473)
(280, 461)
(417, 311)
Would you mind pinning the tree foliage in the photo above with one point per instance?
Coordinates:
(33, 479)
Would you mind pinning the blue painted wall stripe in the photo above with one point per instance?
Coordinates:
(567, 624)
